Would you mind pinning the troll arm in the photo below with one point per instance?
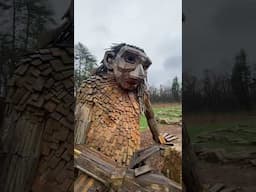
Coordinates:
(82, 122)
(166, 138)
(151, 118)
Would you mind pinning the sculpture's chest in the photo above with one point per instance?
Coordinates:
(114, 127)
(118, 105)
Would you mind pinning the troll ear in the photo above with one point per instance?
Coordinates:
(108, 59)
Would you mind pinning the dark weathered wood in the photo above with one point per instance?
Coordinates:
(96, 164)
(141, 155)
(189, 173)
(217, 187)
(156, 182)
(142, 170)
(230, 189)
(38, 123)
(99, 168)
(151, 119)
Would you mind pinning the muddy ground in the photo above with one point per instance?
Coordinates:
(239, 177)
(146, 136)
(226, 152)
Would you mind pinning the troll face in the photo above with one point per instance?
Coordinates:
(129, 66)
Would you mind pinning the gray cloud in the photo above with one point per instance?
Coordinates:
(236, 17)
(147, 24)
(173, 63)
(214, 33)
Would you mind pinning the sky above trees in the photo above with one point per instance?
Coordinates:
(149, 24)
(214, 32)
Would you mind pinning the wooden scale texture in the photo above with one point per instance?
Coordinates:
(39, 123)
(114, 124)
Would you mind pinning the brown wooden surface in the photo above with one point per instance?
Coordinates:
(85, 183)
(190, 177)
(151, 119)
(38, 127)
(114, 121)
(103, 171)
(96, 164)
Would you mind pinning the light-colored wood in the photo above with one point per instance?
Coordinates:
(114, 121)
(107, 175)
(83, 114)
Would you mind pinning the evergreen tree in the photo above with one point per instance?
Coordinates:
(176, 89)
(85, 63)
(207, 89)
(240, 80)
(33, 16)
(27, 19)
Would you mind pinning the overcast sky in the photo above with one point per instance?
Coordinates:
(215, 31)
(152, 25)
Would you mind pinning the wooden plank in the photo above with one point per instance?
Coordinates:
(156, 182)
(142, 170)
(217, 187)
(230, 189)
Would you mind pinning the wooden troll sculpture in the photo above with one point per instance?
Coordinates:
(108, 109)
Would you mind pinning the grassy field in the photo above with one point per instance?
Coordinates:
(233, 132)
(169, 111)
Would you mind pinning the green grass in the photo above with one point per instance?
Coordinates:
(233, 132)
(168, 111)
(143, 123)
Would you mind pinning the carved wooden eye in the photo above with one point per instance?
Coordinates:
(130, 59)
(145, 63)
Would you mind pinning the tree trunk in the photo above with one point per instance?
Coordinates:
(13, 26)
(28, 25)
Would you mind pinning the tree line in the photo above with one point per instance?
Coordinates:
(85, 63)
(221, 92)
(166, 94)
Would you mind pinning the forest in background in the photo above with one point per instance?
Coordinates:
(227, 92)
(22, 23)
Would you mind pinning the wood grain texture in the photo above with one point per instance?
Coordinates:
(114, 123)
(101, 172)
(38, 127)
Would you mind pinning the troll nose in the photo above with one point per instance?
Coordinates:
(138, 72)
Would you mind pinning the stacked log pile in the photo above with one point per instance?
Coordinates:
(37, 132)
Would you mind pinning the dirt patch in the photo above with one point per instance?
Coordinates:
(231, 175)
(165, 105)
(146, 136)
(225, 147)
